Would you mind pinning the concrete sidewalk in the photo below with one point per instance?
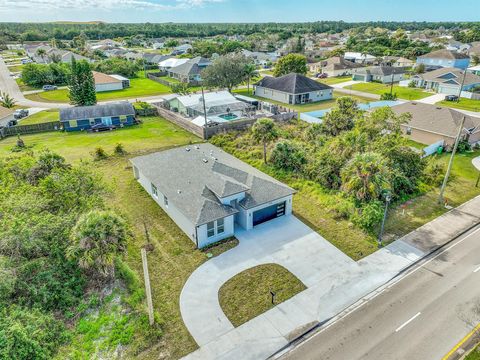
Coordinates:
(331, 294)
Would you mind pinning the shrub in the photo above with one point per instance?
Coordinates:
(388, 96)
(434, 173)
(119, 149)
(464, 146)
(369, 215)
(411, 84)
(288, 156)
(99, 154)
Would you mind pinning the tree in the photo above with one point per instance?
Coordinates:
(81, 84)
(341, 117)
(41, 53)
(226, 71)
(250, 72)
(6, 100)
(97, 238)
(419, 69)
(180, 88)
(475, 59)
(365, 176)
(264, 131)
(291, 63)
(289, 156)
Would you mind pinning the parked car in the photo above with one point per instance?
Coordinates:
(322, 76)
(451, 98)
(49, 87)
(102, 127)
(20, 114)
(12, 123)
(26, 61)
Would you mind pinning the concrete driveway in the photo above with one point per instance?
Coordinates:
(333, 280)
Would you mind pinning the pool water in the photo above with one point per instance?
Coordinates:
(228, 117)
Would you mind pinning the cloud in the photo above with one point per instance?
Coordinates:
(42, 5)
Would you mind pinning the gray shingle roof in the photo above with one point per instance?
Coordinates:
(96, 111)
(382, 70)
(195, 186)
(191, 67)
(444, 54)
(292, 84)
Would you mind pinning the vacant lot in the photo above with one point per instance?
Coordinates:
(247, 294)
(464, 104)
(41, 117)
(139, 87)
(405, 93)
(335, 80)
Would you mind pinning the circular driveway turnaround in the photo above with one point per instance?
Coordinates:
(285, 241)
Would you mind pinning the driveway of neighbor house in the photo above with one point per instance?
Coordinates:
(432, 100)
(333, 280)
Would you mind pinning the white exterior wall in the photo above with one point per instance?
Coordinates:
(321, 95)
(109, 86)
(246, 215)
(182, 222)
(204, 240)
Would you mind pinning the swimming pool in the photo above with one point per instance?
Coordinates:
(228, 117)
(363, 106)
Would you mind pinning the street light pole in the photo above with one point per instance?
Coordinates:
(388, 198)
(450, 162)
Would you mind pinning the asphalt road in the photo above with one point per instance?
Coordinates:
(423, 316)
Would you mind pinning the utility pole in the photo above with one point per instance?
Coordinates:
(454, 150)
(204, 113)
(388, 198)
(393, 77)
(146, 276)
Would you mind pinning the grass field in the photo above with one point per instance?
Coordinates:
(405, 93)
(474, 355)
(23, 86)
(305, 107)
(247, 294)
(41, 117)
(464, 104)
(16, 68)
(335, 80)
(139, 87)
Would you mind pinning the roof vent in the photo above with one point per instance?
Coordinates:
(205, 160)
(187, 149)
(197, 147)
(179, 191)
(214, 158)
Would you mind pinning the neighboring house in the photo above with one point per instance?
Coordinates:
(84, 117)
(104, 82)
(360, 58)
(210, 194)
(263, 59)
(154, 59)
(446, 81)
(474, 69)
(133, 55)
(444, 58)
(396, 61)
(103, 43)
(454, 45)
(335, 66)
(51, 53)
(181, 49)
(431, 123)
(292, 89)
(190, 70)
(116, 52)
(383, 74)
(220, 106)
(167, 64)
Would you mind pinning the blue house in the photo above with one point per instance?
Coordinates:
(444, 58)
(84, 117)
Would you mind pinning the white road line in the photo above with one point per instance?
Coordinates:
(407, 322)
(476, 270)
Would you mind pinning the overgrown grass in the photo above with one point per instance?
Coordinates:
(247, 294)
(474, 355)
(464, 104)
(405, 93)
(41, 117)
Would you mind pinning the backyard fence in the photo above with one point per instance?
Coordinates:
(157, 78)
(432, 149)
(30, 129)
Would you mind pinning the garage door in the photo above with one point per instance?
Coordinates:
(268, 213)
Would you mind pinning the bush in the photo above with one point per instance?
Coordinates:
(119, 149)
(388, 96)
(99, 154)
(464, 146)
(288, 156)
(434, 173)
(369, 215)
(411, 84)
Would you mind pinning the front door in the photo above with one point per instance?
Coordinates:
(107, 121)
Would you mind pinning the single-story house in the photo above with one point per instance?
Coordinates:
(169, 63)
(220, 106)
(261, 58)
(292, 89)
(104, 82)
(446, 80)
(383, 74)
(210, 194)
(84, 117)
(432, 123)
(474, 69)
(397, 61)
(181, 49)
(335, 66)
(444, 58)
(190, 70)
(358, 57)
(154, 59)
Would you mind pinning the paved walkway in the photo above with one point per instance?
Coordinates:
(432, 99)
(334, 281)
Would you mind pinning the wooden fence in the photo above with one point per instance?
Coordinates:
(30, 129)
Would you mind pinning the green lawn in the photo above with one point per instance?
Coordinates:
(23, 86)
(464, 104)
(41, 117)
(139, 87)
(405, 93)
(247, 294)
(16, 68)
(335, 80)
(305, 107)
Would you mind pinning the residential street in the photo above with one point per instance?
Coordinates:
(421, 317)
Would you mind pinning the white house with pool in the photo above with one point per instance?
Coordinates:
(210, 194)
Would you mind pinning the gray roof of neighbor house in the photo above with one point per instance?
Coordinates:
(193, 179)
(191, 67)
(444, 54)
(382, 70)
(440, 75)
(436, 119)
(339, 63)
(97, 111)
(155, 58)
(292, 84)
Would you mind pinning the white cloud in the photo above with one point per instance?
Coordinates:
(43, 5)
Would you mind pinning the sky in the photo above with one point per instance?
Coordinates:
(191, 11)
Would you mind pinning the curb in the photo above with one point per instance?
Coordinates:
(321, 325)
(452, 354)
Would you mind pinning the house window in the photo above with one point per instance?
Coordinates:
(210, 229)
(165, 200)
(154, 191)
(220, 226)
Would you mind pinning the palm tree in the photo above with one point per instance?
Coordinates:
(6, 100)
(250, 72)
(41, 53)
(264, 131)
(365, 176)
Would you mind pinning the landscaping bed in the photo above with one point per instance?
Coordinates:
(247, 295)
(404, 93)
